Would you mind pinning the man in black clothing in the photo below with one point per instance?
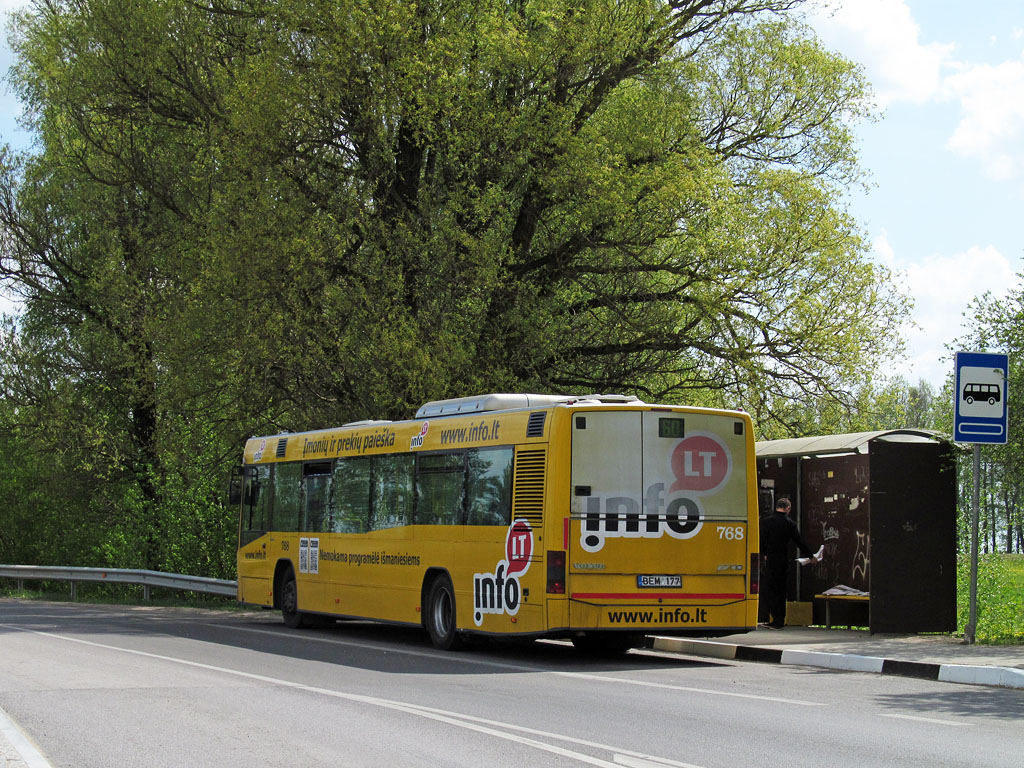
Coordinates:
(777, 531)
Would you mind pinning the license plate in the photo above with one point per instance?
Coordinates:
(659, 581)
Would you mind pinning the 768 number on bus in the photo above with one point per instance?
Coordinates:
(731, 532)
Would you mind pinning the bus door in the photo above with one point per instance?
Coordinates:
(316, 477)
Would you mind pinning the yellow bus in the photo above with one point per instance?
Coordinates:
(598, 518)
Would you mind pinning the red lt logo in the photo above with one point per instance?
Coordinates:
(700, 463)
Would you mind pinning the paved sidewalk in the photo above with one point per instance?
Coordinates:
(934, 657)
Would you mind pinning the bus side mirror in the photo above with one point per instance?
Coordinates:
(235, 487)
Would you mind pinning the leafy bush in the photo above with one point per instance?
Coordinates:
(1000, 598)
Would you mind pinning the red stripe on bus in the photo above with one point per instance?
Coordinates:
(565, 533)
(665, 595)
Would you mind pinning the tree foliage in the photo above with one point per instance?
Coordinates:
(997, 324)
(891, 403)
(244, 216)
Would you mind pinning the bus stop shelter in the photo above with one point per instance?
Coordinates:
(884, 506)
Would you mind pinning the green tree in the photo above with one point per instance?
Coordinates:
(869, 406)
(96, 232)
(579, 197)
(997, 324)
(247, 216)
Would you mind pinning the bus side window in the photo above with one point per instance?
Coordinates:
(440, 488)
(287, 481)
(350, 495)
(316, 478)
(489, 489)
(392, 490)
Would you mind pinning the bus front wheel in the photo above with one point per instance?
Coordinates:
(293, 617)
(440, 614)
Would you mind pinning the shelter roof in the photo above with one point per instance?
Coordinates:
(856, 442)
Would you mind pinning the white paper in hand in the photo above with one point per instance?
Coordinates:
(815, 558)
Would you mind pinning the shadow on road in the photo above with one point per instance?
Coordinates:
(960, 700)
(356, 644)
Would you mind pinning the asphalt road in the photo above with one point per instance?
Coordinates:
(111, 686)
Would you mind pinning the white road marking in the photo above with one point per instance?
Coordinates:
(708, 691)
(623, 753)
(524, 667)
(656, 762)
(25, 749)
(919, 719)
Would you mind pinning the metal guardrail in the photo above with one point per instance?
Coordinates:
(146, 579)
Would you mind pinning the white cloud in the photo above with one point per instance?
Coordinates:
(942, 287)
(991, 126)
(883, 36)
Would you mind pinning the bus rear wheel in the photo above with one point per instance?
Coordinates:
(440, 615)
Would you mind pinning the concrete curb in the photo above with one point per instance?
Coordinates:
(1005, 677)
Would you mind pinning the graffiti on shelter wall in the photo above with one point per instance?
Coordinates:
(835, 514)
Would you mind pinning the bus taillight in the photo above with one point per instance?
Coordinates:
(556, 572)
(755, 573)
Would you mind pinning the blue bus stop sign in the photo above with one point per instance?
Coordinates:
(979, 414)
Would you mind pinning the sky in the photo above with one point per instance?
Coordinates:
(945, 157)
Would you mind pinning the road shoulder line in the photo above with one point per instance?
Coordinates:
(20, 743)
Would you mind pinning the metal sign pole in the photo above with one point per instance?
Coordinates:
(972, 621)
